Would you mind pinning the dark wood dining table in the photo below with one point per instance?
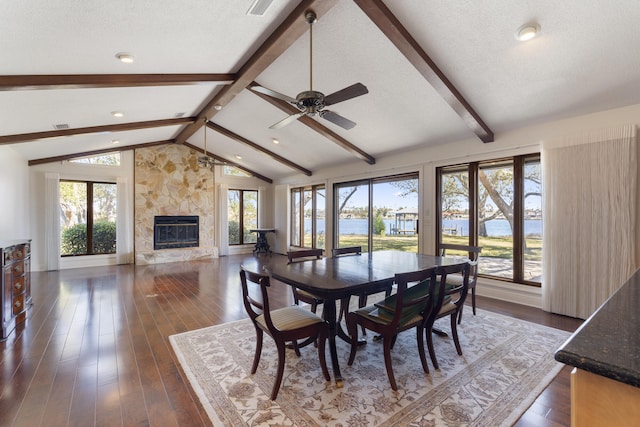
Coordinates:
(337, 278)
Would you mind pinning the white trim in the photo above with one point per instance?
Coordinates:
(507, 291)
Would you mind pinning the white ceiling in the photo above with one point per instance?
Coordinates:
(585, 60)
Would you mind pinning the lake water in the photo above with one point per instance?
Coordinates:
(495, 228)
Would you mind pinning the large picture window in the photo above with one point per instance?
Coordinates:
(308, 217)
(242, 216)
(496, 205)
(377, 214)
(88, 218)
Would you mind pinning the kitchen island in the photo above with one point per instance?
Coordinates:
(605, 351)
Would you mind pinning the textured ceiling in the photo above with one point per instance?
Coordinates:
(583, 61)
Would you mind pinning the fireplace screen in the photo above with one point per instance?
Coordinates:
(175, 232)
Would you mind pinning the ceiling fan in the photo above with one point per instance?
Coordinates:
(312, 102)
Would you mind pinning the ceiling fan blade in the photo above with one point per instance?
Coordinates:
(274, 94)
(352, 91)
(337, 119)
(282, 123)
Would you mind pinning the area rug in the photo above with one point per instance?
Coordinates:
(505, 365)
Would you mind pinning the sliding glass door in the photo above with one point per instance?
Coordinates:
(377, 214)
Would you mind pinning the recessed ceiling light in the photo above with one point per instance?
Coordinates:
(217, 107)
(117, 113)
(127, 58)
(527, 32)
(275, 141)
(115, 141)
(238, 156)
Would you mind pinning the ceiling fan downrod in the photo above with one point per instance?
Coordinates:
(310, 17)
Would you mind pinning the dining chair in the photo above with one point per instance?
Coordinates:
(362, 298)
(406, 309)
(287, 324)
(299, 294)
(453, 301)
(473, 253)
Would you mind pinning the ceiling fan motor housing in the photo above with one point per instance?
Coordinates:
(310, 101)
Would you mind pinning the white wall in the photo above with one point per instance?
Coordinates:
(68, 170)
(426, 159)
(14, 195)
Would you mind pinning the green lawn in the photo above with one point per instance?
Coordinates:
(493, 247)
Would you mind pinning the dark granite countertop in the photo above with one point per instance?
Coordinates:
(608, 343)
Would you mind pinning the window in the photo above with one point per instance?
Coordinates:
(497, 205)
(111, 159)
(377, 214)
(234, 171)
(88, 218)
(307, 217)
(242, 216)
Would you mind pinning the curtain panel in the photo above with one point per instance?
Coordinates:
(589, 211)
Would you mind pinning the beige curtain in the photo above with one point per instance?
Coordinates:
(589, 211)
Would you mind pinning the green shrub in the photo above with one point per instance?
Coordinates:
(74, 239)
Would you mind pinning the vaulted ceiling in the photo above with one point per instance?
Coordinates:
(436, 72)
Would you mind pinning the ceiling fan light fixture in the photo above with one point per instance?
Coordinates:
(527, 32)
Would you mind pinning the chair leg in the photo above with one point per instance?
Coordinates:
(432, 353)
(473, 299)
(423, 356)
(460, 314)
(256, 356)
(296, 347)
(386, 343)
(352, 328)
(362, 302)
(322, 339)
(454, 333)
(280, 373)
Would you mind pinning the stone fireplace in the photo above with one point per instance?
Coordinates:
(169, 183)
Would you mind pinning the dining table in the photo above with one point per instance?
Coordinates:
(337, 278)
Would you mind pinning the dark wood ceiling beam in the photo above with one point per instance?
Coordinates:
(378, 12)
(113, 149)
(278, 42)
(71, 81)
(229, 134)
(313, 124)
(230, 163)
(24, 137)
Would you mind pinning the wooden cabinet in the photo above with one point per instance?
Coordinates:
(600, 401)
(16, 284)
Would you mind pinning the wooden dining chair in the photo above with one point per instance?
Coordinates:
(454, 297)
(300, 294)
(408, 308)
(287, 324)
(473, 253)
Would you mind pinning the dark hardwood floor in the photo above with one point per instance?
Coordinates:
(95, 350)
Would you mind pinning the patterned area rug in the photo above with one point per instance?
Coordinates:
(506, 364)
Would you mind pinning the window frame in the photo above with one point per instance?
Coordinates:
(241, 214)
(299, 221)
(518, 163)
(90, 214)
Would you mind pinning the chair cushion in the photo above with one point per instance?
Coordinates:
(387, 307)
(289, 318)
